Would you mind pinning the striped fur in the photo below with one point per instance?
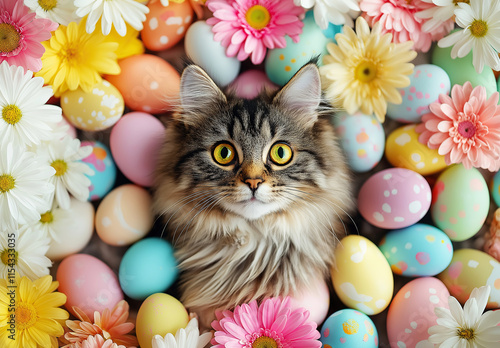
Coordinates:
(231, 249)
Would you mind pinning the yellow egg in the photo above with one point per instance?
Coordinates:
(361, 276)
(94, 111)
(402, 149)
(159, 314)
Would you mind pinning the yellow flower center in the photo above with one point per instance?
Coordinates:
(47, 5)
(7, 183)
(9, 38)
(458, 1)
(7, 258)
(264, 342)
(60, 166)
(69, 53)
(46, 218)
(25, 315)
(11, 113)
(258, 17)
(478, 28)
(466, 334)
(366, 71)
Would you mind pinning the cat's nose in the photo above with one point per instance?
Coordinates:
(253, 183)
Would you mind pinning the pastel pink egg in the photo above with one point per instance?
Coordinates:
(411, 312)
(394, 198)
(250, 83)
(88, 284)
(135, 142)
(315, 298)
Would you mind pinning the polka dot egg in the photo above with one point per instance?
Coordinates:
(427, 82)
(394, 198)
(362, 139)
(96, 110)
(104, 168)
(411, 312)
(349, 328)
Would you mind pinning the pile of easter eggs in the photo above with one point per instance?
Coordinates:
(405, 183)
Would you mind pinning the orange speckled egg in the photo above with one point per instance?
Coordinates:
(165, 26)
(147, 83)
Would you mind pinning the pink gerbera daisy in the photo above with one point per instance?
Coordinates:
(111, 325)
(248, 27)
(465, 127)
(21, 34)
(272, 324)
(399, 18)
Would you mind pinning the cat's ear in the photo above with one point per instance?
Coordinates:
(198, 92)
(302, 94)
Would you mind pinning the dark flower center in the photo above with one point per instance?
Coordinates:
(9, 38)
(466, 129)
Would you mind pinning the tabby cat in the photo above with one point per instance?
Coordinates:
(253, 192)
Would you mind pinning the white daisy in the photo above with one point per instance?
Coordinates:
(50, 222)
(65, 156)
(59, 11)
(467, 327)
(338, 12)
(25, 119)
(481, 32)
(24, 251)
(24, 187)
(438, 14)
(184, 338)
(113, 12)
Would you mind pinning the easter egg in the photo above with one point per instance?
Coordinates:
(427, 82)
(282, 63)
(104, 168)
(315, 297)
(147, 83)
(461, 70)
(125, 215)
(411, 312)
(198, 42)
(250, 83)
(93, 111)
(135, 142)
(362, 139)
(417, 250)
(394, 198)
(460, 202)
(403, 150)
(73, 229)
(165, 26)
(147, 267)
(88, 284)
(349, 328)
(495, 188)
(361, 276)
(469, 269)
(159, 314)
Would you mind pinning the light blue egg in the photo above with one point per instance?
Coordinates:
(348, 328)
(101, 162)
(362, 139)
(495, 188)
(417, 250)
(427, 82)
(332, 30)
(282, 63)
(147, 267)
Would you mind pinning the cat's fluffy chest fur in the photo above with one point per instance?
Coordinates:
(253, 201)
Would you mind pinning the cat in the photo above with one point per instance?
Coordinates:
(253, 192)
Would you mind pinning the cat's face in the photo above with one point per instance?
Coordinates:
(250, 157)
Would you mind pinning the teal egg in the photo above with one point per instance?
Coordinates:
(417, 250)
(282, 63)
(349, 328)
(495, 188)
(147, 267)
(104, 167)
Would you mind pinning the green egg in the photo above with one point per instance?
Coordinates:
(282, 63)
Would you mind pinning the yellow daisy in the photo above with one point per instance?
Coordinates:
(75, 59)
(29, 313)
(364, 71)
(128, 45)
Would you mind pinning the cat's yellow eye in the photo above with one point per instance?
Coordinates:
(224, 154)
(281, 154)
